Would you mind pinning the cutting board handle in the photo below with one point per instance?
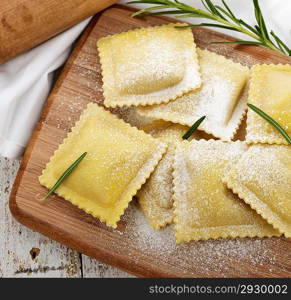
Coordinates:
(27, 23)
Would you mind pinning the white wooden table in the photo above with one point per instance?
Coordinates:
(25, 253)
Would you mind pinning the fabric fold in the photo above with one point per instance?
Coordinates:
(25, 83)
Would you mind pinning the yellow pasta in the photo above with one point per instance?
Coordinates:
(204, 207)
(120, 158)
(270, 90)
(262, 179)
(148, 65)
(221, 98)
(155, 196)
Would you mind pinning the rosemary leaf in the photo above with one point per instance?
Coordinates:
(213, 9)
(227, 14)
(193, 128)
(65, 175)
(258, 29)
(207, 25)
(271, 121)
(242, 22)
(239, 42)
(187, 16)
(146, 10)
(280, 42)
(146, 1)
(206, 5)
(229, 10)
(221, 14)
(260, 20)
(168, 12)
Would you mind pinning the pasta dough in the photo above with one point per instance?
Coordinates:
(155, 196)
(222, 98)
(120, 158)
(270, 91)
(148, 65)
(204, 207)
(262, 179)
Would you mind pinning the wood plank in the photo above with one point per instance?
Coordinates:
(134, 246)
(23, 252)
(93, 268)
(25, 23)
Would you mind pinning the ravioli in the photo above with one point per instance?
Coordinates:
(155, 196)
(204, 207)
(221, 98)
(148, 65)
(120, 158)
(270, 90)
(262, 179)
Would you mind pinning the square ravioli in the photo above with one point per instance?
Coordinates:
(148, 65)
(270, 90)
(131, 116)
(119, 160)
(203, 206)
(221, 98)
(155, 196)
(262, 179)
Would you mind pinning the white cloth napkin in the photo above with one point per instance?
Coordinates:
(25, 81)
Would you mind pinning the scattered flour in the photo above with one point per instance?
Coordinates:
(83, 84)
(214, 257)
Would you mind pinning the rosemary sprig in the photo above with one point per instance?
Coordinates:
(65, 175)
(193, 128)
(271, 121)
(219, 14)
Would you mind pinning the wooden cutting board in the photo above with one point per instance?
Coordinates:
(134, 246)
